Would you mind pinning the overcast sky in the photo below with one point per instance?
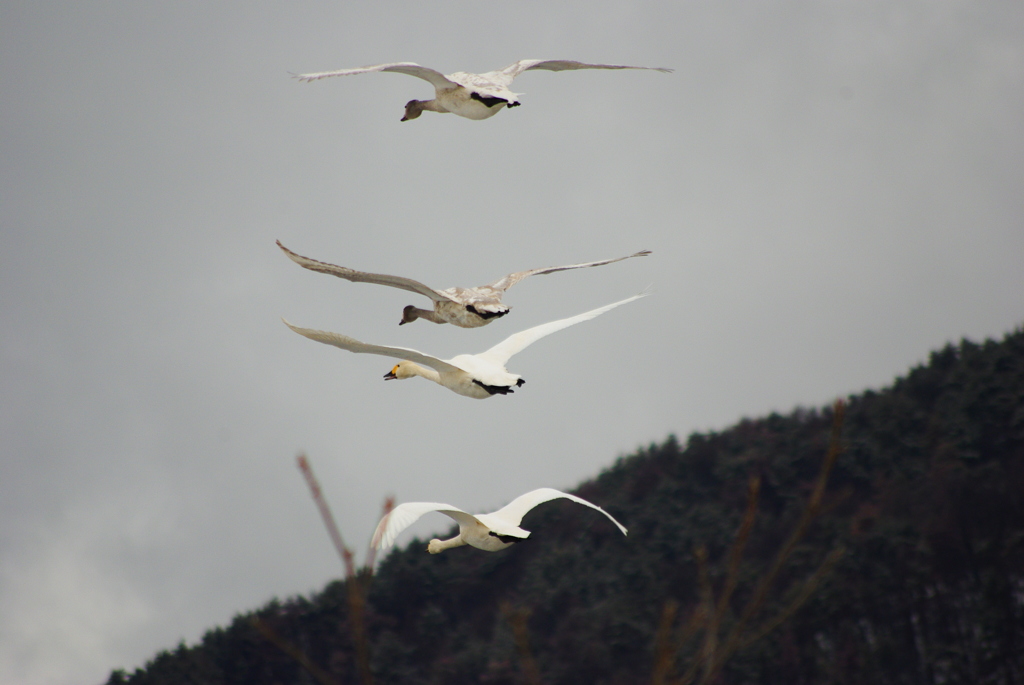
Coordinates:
(830, 189)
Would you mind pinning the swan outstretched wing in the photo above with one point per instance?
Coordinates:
(436, 78)
(513, 70)
(364, 277)
(353, 345)
(508, 281)
(404, 515)
(517, 342)
(514, 511)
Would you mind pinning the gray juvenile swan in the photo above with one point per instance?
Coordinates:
(489, 532)
(463, 307)
(473, 96)
(474, 375)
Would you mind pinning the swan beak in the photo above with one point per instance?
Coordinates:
(390, 375)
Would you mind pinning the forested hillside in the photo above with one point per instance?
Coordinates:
(912, 571)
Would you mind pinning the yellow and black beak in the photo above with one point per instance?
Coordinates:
(390, 375)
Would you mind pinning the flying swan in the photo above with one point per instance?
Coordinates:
(464, 307)
(489, 532)
(474, 375)
(473, 96)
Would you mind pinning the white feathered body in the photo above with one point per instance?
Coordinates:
(485, 371)
(478, 533)
(470, 307)
(460, 381)
(460, 100)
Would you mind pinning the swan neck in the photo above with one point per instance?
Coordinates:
(425, 372)
(436, 546)
(414, 108)
(431, 106)
(411, 313)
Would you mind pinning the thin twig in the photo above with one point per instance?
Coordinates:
(736, 554)
(698, 619)
(702, 615)
(664, 654)
(809, 586)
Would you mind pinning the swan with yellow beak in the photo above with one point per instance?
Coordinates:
(474, 375)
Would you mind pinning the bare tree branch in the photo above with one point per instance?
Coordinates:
(325, 513)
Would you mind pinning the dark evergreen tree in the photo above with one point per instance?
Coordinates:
(927, 499)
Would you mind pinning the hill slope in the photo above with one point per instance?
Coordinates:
(927, 499)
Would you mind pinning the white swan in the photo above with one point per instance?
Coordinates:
(489, 532)
(473, 96)
(464, 307)
(474, 375)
